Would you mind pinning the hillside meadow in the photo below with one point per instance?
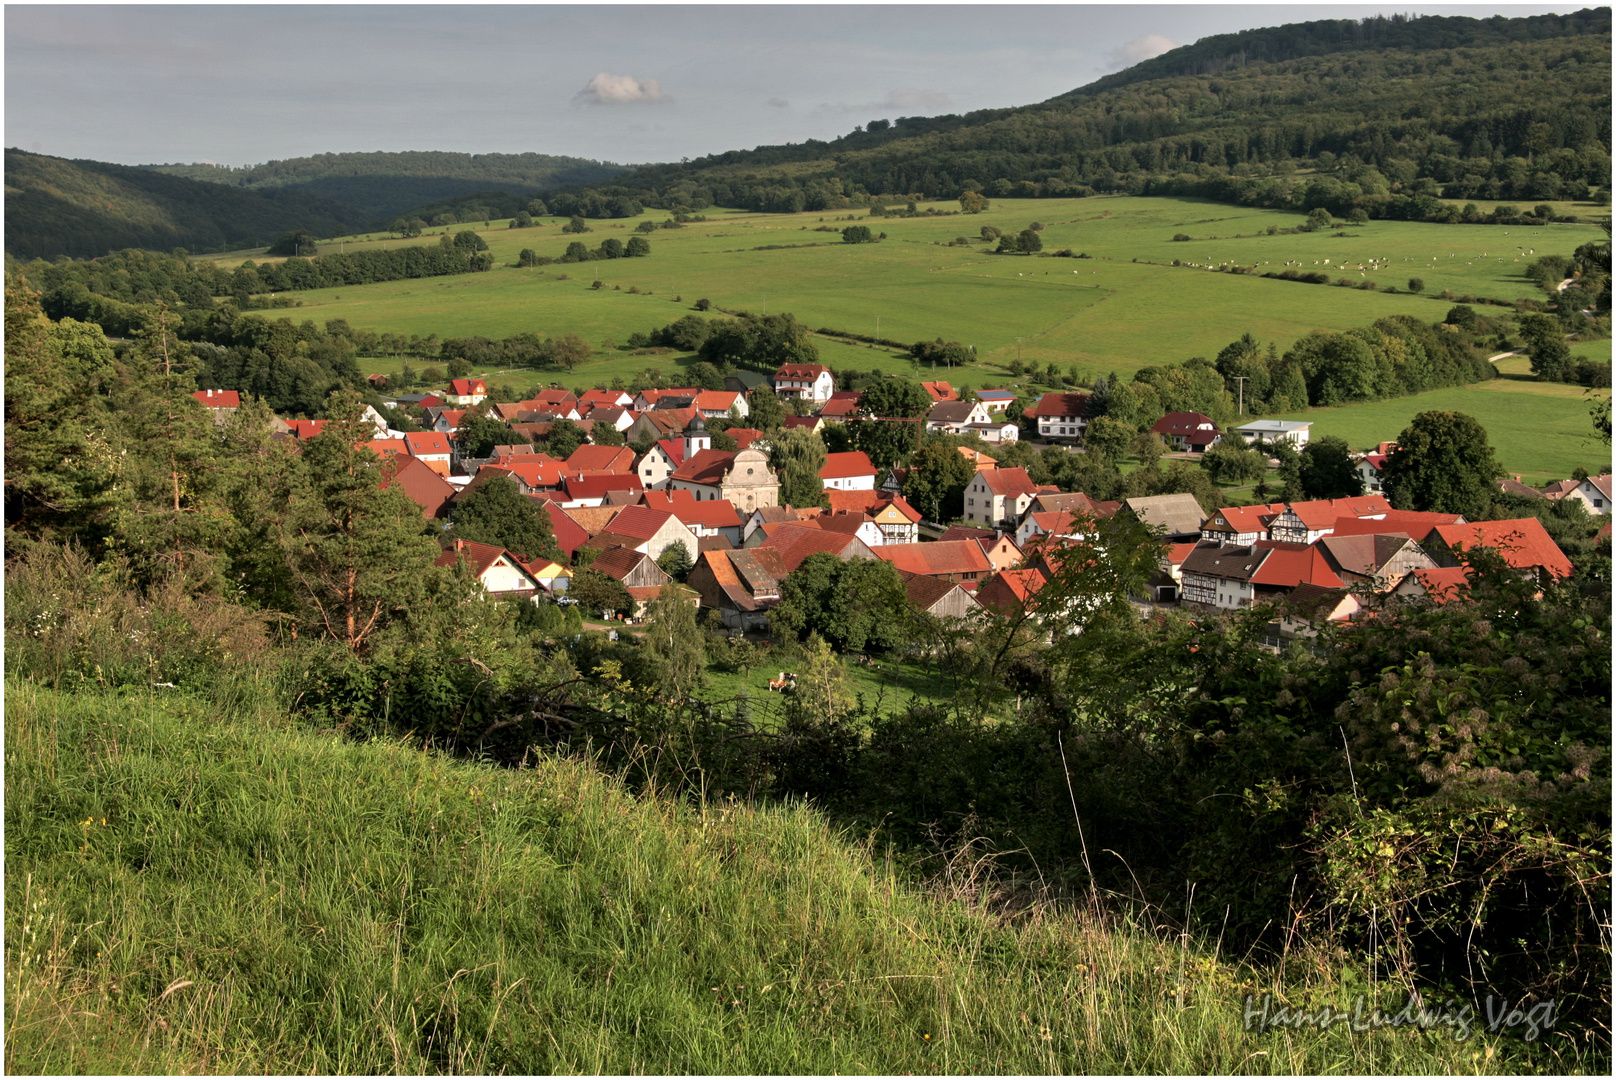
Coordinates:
(1121, 309)
(201, 886)
(1539, 431)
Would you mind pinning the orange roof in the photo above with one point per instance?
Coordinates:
(592, 458)
(1177, 553)
(306, 429)
(1010, 589)
(839, 408)
(1415, 524)
(465, 387)
(1289, 565)
(795, 542)
(1010, 483)
(940, 391)
(712, 513)
(1523, 543)
(640, 522)
(1322, 513)
(744, 436)
(606, 397)
(938, 558)
(1244, 519)
(716, 400)
(388, 447)
(868, 502)
(219, 399)
(534, 470)
(422, 443)
(845, 465)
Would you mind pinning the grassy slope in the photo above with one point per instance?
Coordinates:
(1107, 313)
(196, 893)
(1540, 431)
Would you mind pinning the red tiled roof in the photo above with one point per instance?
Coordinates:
(674, 449)
(219, 399)
(593, 520)
(417, 480)
(534, 470)
(705, 467)
(966, 532)
(606, 397)
(808, 372)
(938, 558)
(809, 422)
(618, 562)
(1185, 423)
(1060, 405)
(422, 443)
(1244, 519)
(796, 541)
(845, 465)
(1010, 589)
(306, 429)
(744, 436)
(596, 485)
(465, 387)
(940, 391)
(1416, 524)
(834, 409)
(569, 535)
(1323, 513)
(479, 557)
(640, 522)
(388, 447)
(716, 400)
(712, 513)
(1177, 553)
(1289, 565)
(592, 458)
(1523, 543)
(1010, 483)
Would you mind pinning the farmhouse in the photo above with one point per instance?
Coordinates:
(998, 497)
(809, 382)
(1061, 416)
(498, 571)
(849, 471)
(1191, 431)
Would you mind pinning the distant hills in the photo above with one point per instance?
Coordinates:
(381, 184)
(87, 208)
(1388, 115)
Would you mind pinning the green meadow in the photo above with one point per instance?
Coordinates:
(1121, 309)
(202, 886)
(1539, 431)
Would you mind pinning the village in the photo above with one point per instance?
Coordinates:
(620, 513)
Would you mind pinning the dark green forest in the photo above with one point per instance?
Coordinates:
(382, 183)
(1386, 114)
(85, 209)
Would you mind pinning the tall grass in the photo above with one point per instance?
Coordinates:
(199, 890)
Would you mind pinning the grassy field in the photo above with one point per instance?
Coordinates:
(191, 891)
(1540, 431)
(1125, 307)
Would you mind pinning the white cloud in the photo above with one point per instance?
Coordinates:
(607, 89)
(1140, 49)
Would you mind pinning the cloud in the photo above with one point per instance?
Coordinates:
(607, 89)
(1140, 49)
(779, 103)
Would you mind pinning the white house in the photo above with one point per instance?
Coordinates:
(467, 392)
(811, 382)
(1061, 416)
(1593, 493)
(1295, 431)
(850, 471)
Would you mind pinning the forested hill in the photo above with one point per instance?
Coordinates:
(1462, 108)
(87, 208)
(381, 184)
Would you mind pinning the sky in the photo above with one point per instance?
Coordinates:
(243, 84)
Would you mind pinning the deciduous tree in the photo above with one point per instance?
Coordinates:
(1443, 463)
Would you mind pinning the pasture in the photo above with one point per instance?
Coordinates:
(1121, 309)
(1539, 431)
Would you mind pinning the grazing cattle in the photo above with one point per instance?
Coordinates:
(786, 681)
